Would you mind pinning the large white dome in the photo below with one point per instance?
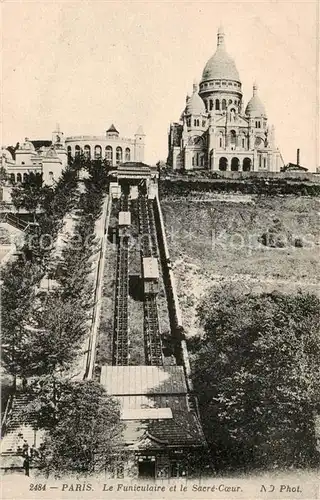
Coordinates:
(220, 66)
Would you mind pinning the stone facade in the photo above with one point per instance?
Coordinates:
(112, 147)
(214, 132)
(48, 158)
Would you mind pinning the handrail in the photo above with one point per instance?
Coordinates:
(5, 415)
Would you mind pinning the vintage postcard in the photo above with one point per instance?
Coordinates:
(159, 246)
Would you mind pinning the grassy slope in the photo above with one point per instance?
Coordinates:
(211, 242)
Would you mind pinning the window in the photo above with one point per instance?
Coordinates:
(25, 177)
(246, 165)
(118, 155)
(87, 152)
(127, 155)
(203, 123)
(211, 105)
(230, 101)
(233, 138)
(77, 150)
(223, 163)
(188, 122)
(109, 155)
(224, 104)
(195, 123)
(217, 104)
(235, 164)
(19, 178)
(97, 152)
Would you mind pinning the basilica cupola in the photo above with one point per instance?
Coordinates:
(195, 111)
(195, 105)
(255, 107)
(220, 86)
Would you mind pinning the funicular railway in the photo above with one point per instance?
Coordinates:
(121, 320)
(149, 259)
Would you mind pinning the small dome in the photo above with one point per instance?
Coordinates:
(51, 153)
(255, 106)
(220, 66)
(27, 145)
(195, 105)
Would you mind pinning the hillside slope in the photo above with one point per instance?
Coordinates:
(220, 240)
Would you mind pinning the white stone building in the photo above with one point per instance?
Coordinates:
(111, 147)
(215, 132)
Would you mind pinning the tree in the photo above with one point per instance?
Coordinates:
(18, 280)
(82, 424)
(56, 330)
(256, 370)
(28, 195)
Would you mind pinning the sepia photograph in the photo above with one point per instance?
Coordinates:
(159, 250)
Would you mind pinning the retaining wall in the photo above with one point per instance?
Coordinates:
(175, 316)
(89, 360)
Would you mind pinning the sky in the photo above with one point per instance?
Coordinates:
(88, 64)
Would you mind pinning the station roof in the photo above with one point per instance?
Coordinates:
(143, 380)
(145, 413)
(150, 268)
(132, 170)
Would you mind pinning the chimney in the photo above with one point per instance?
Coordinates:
(298, 157)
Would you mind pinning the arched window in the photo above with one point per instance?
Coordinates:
(25, 177)
(127, 154)
(230, 101)
(77, 150)
(235, 164)
(69, 149)
(233, 138)
(19, 178)
(217, 104)
(97, 152)
(13, 178)
(87, 152)
(221, 140)
(211, 104)
(224, 104)
(118, 155)
(195, 123)
(223, 164)
(246, 165)
(109, 155)
(243, 141)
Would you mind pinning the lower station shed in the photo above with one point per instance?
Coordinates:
(161, 430)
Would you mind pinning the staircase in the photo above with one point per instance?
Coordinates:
(18, 428)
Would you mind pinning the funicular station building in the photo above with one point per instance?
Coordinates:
(163, 434)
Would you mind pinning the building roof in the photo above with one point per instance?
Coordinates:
(150, 268)
(145, 413)
(294, 167)
(124, 218)
(220, 66)
(142, 380)
(112, 129)
(255, 106)
(182, 430)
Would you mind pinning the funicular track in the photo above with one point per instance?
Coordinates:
(153, 348)
(121, 323)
